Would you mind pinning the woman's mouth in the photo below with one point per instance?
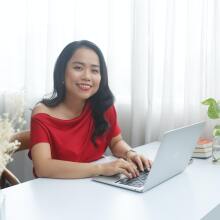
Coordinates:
(84, 86)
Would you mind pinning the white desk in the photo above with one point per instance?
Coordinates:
(188, 196)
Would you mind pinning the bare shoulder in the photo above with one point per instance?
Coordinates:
(40, 108)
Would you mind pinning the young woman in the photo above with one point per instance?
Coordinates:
(75, 125)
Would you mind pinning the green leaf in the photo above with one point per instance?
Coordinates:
(213, 112)
(216, 131)
(217, 127)
(213, 109)
(209, 101)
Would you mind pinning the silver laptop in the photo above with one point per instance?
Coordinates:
(214, 214)
(172, 158)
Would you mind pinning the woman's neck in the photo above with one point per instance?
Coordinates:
(73, 105)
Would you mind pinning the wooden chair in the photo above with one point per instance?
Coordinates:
(8, 178)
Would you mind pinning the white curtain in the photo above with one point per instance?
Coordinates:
(163, 56)
(176, 54)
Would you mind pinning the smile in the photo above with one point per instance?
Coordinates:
(84, 86)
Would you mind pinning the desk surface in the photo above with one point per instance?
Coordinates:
(190, 195)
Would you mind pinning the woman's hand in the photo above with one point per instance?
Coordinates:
(119, 166)
(138, 160)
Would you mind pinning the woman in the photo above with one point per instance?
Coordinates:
(75, 125)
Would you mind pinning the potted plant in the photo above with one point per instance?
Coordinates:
(214, 113)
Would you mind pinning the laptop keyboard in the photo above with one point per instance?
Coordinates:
(137, 181)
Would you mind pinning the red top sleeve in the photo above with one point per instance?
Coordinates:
(39, 132)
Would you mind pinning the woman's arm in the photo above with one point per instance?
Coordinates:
(45, 166)
(121, 149)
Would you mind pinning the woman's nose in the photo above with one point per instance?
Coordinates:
(87, 74)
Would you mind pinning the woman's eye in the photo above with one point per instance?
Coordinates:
(95, 71)
(77, 67)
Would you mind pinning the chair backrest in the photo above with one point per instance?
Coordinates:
(7, 176)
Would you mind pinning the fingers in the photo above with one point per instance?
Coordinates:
(128, 168)
(147, 163)
(142, 162)
(125, 172)
(135, 168)
(138, 161)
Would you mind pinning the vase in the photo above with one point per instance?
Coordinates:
(216, 149)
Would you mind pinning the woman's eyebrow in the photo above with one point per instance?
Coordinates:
(77, 62)
(81, 63)
(94, 65)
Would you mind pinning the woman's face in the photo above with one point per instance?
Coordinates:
(82, 75)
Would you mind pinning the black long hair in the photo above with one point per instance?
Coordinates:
(100, 101)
